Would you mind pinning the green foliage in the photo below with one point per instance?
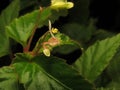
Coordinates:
(7, 15)
(34, 73)
(10, 13)
(22, 28)
(36, 68)
(113, 69)
(95, 59)
(9, 78)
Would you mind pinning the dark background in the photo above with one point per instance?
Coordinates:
(107, 12)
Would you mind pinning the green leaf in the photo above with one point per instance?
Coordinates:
(96, 58)
(21, 29)
(4, 45)
(114, 86)
(10, 13)
(8, 79)
(113, 69)
(6, 17)
(111, 86)
(43, 73)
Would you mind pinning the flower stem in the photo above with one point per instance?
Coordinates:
(50, 28)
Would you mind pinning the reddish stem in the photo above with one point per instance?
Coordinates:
(26, 48)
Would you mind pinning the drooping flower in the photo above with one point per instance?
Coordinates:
(46, 52)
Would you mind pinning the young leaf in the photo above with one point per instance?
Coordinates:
(43, 73)
(6, 17)
(95, 59)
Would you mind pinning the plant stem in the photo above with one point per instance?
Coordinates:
(26, 48)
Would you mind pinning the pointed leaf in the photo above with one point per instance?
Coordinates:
(95, 59)
(6, 17)
(48, 74)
